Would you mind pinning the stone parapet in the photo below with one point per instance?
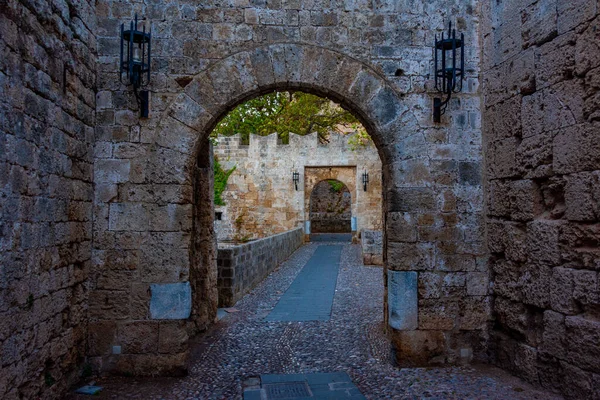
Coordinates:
(243, 266)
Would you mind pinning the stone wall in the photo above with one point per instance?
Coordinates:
(47, 107)
(260, 197)
(372, 247)
(241, 267)
(542, 91)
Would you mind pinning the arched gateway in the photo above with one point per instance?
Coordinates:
(426, 326)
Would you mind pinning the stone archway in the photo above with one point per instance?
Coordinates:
(330, 207)
(314, 175)
(187, 123)
(417, 254)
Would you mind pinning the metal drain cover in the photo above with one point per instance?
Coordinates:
(286, 390)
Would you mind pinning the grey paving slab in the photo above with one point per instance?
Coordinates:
(321, 386)
(310, 296)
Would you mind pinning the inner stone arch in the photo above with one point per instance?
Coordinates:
(352, 84)
(330, 207)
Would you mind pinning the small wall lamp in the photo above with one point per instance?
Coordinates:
(365, 180)
(296, 178)
(135, 62)
(449, 70)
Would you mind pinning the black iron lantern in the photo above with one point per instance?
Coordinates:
(365, 180)
(296, 178)
(135, 61)
(449, 69)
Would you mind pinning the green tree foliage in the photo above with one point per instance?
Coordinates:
(288, 112)
(336, 186)
(221, 178)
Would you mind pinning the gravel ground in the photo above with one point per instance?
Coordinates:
(242, 345)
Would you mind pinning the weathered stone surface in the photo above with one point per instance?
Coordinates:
(172, 337)
(402, 300)
(170, 300)
(419, 347)
(411, 256)
(544, 231)
(372, 247)
(138, 337)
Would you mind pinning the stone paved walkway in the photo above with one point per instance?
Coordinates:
(243, 345)
(310, 296)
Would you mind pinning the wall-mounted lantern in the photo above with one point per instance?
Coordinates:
(135, 62)
(296, 179)
(449, 69)
(365, 180)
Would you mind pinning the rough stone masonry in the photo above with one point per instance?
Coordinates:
(261, 198)
(100, 207)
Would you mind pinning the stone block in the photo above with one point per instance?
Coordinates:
(582, 338)
(128, 217)
(469, 173)
(539, 22)
(534, 155)
(499, 202)
(410, 199)
(430, 284)
(139, 337)
(525, 362)
(587, 52)
(477, 283)
(585, 287)
(502, 158)
(577, 380)
(474, 312)
(111, 171)
(437, 314)
(101, 337)
(542, 237)
(152, 364)
(536, 282)
(582, 196)
(109, 305)
(572, 14)
(561, 292)
(385, 107)
(554, 336)
(172, 337)
(576, 149)
(525, 200)
(140, 301)
(418, 348)
(410, 256)
(402, 300)
(504, 120)
(170, 300)
(401, 227)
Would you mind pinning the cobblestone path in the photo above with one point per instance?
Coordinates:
(244, 345)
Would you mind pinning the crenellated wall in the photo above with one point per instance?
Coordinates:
(260, 196)
(541, 129)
